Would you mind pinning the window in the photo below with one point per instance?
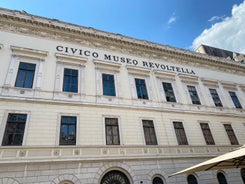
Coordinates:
(207, 134)
(149, 132)
(157, 180)
(141, 89)
(243, 175)
(115, 177)
(112, 131)
(14, 131)
(235, 99)
(193, 94)
(68, 130)
(25, 75)
(108, 85)
(221, 178)
(191, 179)
(169, 92)
(70, 83)
(180, 133)
(215, 97)
(231, 134)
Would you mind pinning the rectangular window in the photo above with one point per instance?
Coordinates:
(215, 97)
(141, 89)
(207, 134)
(169, 92)
(231, 134)
(14, 131)
(193, 94)
(68, 130)
(112, 131)
(108, 85)
(235, 100)
(180, 133)
(25, 75)
(149, 132)
(70, 83)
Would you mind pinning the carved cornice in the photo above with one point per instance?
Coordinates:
(20, 22)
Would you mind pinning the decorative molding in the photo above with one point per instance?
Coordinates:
(1, 46)
(27, 52)
(229, 85)
(106, 65)
(64, 58)
(188, 78)
(165, 75)
(209, 82)
(138, 70)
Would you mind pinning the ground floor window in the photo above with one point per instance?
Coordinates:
(191, 179)
(115, 177)
(221, 178)
(243, 175)
(157, 180)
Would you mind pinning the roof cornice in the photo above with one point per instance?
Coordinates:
(55, 27)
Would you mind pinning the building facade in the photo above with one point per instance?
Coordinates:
(82, 106)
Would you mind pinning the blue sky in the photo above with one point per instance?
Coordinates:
(178, 23)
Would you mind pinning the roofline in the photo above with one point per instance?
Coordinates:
(69, 27)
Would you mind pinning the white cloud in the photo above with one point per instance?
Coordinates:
(228, 34)
(171, 20)
(216, 18)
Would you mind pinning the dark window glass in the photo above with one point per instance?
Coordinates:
(14, 131)
(112, 131)
(68, 130)
(215, 97)
(221, 178)
(235, 100)
(157, 180)
(180, 133)
(231, 134)
(243, 175)
(108, 85)
(207, 134)
(141, 89)
(169, 92)
(115, 177)
(25, 75)
(149, 132)
(70, 83)
(193, 94)
(191, 179)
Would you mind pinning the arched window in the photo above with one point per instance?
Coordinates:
(243, 175)
(157, 180)
(191, 179)
(66, 182)
(116, 177)
(221, 178)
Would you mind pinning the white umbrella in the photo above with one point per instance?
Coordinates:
(234, 159)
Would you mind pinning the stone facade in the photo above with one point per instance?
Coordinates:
(52, 47)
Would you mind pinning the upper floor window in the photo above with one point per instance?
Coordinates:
(68, 130)
(191, 179)
(141, 89)
(169, 92)
(157, 180)
(231, 134)
(193, 94)
(149, 132)
(215, 97)
(108, 85)
(70, 82)
(112, 131)
(14, 130)
(235, 99)
(180, 133)
(207, 134)
(25, 75)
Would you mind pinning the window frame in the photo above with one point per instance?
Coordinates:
(108, 82)
(118, 130)
(179, 137)
(234, 98)
(231, 134)
(4, 124)
(215, 96)
(154, 136)
(165, 92)
(188, 86)
(139, 86)
(70, 78)
(207, 134)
